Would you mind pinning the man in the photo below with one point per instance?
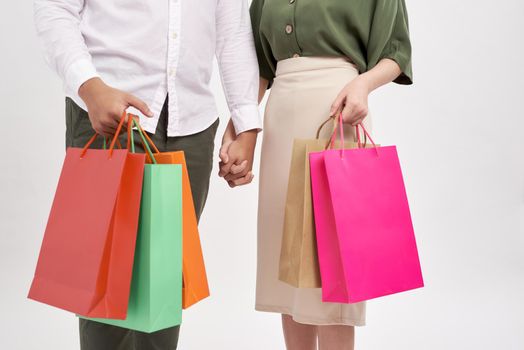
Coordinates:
(154, 58)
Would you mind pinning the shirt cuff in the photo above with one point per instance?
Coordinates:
(246, 118)
(78, 73)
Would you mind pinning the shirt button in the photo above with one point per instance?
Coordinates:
(172, 72)
(289, 29)
(174, 35)
(296, 55)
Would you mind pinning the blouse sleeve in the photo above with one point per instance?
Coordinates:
(389, 38)
(266, 61)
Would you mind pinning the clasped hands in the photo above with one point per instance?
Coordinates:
(236, 156)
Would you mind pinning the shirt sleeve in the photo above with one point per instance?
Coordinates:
(57, 26)
(266, 62)
(237, 61)
(389, 38)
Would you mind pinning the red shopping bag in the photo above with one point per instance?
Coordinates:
(366, 244)
(86, 259)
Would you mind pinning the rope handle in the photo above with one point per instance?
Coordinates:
(331, 117)
(113, 141)
(151, 143)
(331, 141)
(118, 144)
(358, 128)
(130, 134)
(144, 138)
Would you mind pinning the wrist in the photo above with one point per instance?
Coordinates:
(229, 132)
(249, 136)
(365, 81)
(85, 91)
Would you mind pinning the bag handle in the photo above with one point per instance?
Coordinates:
(118, 144)
(144, 138)
(130, 134)
(132, 120)
(340, 126)
(358, 128)
(113, 141)
(331, 117)
(331, 141)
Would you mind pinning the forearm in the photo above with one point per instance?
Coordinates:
(237, 62)
(58, 28)
(262, 88)
(383, 73)
(238, 150)
(230, 128)
(230, 133)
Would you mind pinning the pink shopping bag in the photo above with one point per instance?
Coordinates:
(366, 244)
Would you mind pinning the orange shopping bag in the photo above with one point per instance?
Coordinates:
(195, 286)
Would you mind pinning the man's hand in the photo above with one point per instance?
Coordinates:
(236, 155)
(105, 105)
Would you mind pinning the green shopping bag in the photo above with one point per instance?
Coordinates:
(155, 301)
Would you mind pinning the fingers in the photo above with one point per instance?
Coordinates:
(224, 156)
(358, 121)
(232, 171)
(139, 104)
(105, 126)
(358, 118)
(106, 131)
(361, 112)
(235, 162)
(346, 114)
(225, 168)
(234, 176)
(354, 112)
(238, 169)
(338, 104)
(248, 178)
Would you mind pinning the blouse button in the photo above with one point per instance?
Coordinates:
(289, 29)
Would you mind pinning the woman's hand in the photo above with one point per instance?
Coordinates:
(352, 101)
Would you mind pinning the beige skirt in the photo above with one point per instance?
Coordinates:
(300, 100)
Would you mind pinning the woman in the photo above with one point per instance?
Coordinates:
(320, 58)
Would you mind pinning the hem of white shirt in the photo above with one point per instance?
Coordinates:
(246, 117)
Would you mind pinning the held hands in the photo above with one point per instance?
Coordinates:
(106, 104)
(352, 101)
(236, 156)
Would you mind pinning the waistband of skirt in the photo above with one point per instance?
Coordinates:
(301, 64)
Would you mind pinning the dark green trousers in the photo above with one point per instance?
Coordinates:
(198, 149)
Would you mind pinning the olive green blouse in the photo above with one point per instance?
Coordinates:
(365, 31)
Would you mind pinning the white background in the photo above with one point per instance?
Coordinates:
(459, 131)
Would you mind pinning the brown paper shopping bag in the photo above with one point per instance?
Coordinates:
(298, 256)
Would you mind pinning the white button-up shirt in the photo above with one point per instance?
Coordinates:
(153, 49)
